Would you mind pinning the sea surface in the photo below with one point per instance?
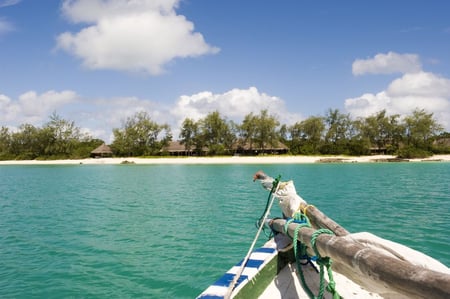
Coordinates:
(169, 231)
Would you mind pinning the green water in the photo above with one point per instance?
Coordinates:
(169, 231)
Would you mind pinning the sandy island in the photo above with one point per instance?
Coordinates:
(230, 160)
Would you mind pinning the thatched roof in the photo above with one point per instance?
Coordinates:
(175, 146)
(102, 149)
(246, 146)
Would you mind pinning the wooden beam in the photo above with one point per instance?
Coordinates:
(373, 270)
(320, 220)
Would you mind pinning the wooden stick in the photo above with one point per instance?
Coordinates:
(373, 270)
(250, 250)
(320, 220)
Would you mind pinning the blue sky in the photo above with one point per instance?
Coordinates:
(97, 62)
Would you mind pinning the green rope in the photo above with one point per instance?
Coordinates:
(321, 261)
(324, 262)
(274, 187)
(302, 254)
(259, 223)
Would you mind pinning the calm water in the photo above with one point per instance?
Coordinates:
(168, 231)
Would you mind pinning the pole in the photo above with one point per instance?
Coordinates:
(250, 250)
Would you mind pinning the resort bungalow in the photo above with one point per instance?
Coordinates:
(102, 151)
(245, 149)
(378, 151)
(175, 148)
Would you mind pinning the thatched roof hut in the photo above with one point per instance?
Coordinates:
(175, 148)
(244, 148)
(102, 151)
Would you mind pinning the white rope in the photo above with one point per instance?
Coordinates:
(250, 250)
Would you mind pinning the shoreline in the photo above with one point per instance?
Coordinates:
(229, 160)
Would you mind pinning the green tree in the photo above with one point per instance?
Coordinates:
(283, 133)
(26, 143)
(441, 143)
(296, 138)
(338, 132)
(247, 130)
(85, 146)
(396, 134)
(381, 131)
(164, 138)
(61, 137)
(215, 133)
(5, 144)
(230, 138)
(188, 134)
(266, 133)
(260, 131)
(140, 136)
(421, 128)
(313, 129)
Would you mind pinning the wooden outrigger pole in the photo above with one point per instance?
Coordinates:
(320, 220)
(366, 265)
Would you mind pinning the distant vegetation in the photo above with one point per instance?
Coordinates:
(416, 135)
(57, 139)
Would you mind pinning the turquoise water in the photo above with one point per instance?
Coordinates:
(169, 231)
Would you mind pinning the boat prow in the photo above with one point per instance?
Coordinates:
(271, 271)
(312, 256)
(271, 274)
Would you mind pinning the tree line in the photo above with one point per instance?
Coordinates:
(335, 133)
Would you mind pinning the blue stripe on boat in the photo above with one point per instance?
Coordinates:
(227, 278)
(251, 263)
(220, 287)
(265, 249)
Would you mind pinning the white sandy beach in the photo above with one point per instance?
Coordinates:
(225, 160)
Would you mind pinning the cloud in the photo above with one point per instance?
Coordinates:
(387, 64)
(140, 35)
(33, 108)
(5, 26)
(4, 3)
(421, 84)
(234, 104)
(421, 90)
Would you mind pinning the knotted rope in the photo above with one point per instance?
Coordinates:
(300, 252)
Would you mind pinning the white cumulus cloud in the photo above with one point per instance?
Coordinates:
(139, 35)
(33, 108)
(421, 90)
(234, 104)
(387, 64)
